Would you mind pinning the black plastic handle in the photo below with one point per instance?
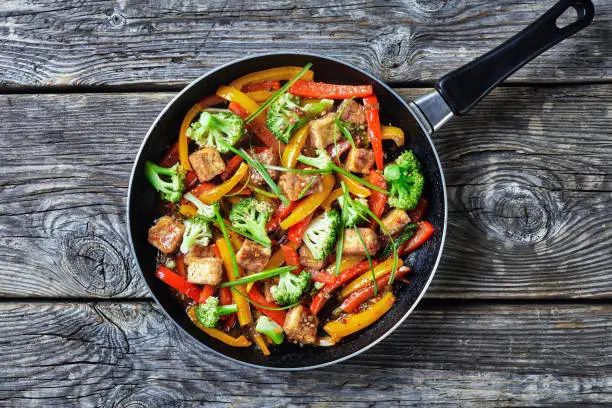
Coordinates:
(466, 86)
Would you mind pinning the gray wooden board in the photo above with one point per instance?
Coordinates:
(528, 176)
(140, 43)
(128, 354)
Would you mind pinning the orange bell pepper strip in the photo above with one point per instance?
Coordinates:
(377, 200)
(207, 291)
(183, 144)
(216, 193)
(309, 204)
(295, 146)
(244, 309)
(353, 323)
(231, 166)
(272, 74)
(381, 269)
(261, 343)
(354, 187)
(333, 196)
(392, 133)
(355, 299)
(218, 334)
(188, 210)
(261, 86)
(373, 119)
(309, 89)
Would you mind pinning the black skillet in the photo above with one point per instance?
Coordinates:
(455, 94)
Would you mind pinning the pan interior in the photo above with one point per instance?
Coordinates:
(142, 205)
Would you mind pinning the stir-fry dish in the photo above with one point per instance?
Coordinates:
(280, 218)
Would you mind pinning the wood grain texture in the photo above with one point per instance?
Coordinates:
(528, 174)
(126, 355)
(139, 43)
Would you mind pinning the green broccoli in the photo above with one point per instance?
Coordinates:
(286, 114)
(250, 216)
(207, 212)
(171, 190)
(321, 234)
(214, 128)
(267, 326)
(354, 211)
(290, 287)
(197, 232)
(406, 181)
(208, 313)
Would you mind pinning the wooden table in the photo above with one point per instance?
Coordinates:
(520, 312)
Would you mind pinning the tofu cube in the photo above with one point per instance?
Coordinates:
(268, 157)
(301, 325)
(353, 246)
(205, 271)
(307, 261)
(295, 186)
(252, 256)
(352, 112)
(207, 163)
(395, 220)
(360, 160)
(321, 131)
(166, 235)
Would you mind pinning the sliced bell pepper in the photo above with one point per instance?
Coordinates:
(294, 148)
(170, 157)
(197, 190)
(354, 187)
(323, 277)
(225, 298)
(218, 334)
(424, 231)
(216, 193)
(260, 96)
(272, 74)
(355, 299)
(296, 231)
(231, 166)
(244, 309)
(261, 86)
(188, 210)
(180, 266)
(207, 291)
(353, 323)
(292, 258)
(333, 196)
(257, 126)
(309, 204)
(373, 119)
(392, 133)
(417, 214)
(377, 200)
(276, 260)
(191, 179)
(261, 343)
(172, 279)
(381, 269)
(277, 315)
(280, 214)
(310, 89)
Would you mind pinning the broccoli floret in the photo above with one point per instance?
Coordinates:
(322, 161)
(250, 216)
(214, 128)
(321, 234)
(405, 180)
(208, 313)
(354, 211)
(267, 326)
(290, 287)
(170, 190)
(197, 232)
(286, 114)
(205, 211)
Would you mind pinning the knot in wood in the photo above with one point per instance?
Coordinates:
(393, 52)
(430, 6)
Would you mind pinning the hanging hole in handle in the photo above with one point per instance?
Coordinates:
(568, 17)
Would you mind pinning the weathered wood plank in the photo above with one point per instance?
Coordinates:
(106, 354)
(141, 43)
(528, 174)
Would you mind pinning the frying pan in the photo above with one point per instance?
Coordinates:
(455, 94)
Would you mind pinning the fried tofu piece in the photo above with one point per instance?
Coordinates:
(322, 131)
(198, 251)
(166, 235)
(353, 246)
(207, 163)
(267, 157)
(301, 325)
(360, 160)
(205, 271)
(252, 256)
(307, 261)
(352, 112)
(395, 220)
(267, 288)
(293, 185)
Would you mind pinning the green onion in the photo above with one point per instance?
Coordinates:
(277, 94)
(342, 126)
(243, 187)
(359, 180)
(301, 171)
(340, 242)
(263, 192)
(258, 276)
(305, 189)
(267, 244)
(262, 306)
(369, 260)
(230, 247)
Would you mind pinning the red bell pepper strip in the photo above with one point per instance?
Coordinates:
(417, 214)
(259, 128)
(324, 294)
(225, 298)
(197, 190)
(216, 251)
(292, 258)
(281, 213)
(377, 200)
(191, 179)
(231, 167)
(261, 86)
(177, 282)
(277, 315)
(311, 89)
(355, 299)
(373, 119)
(323, 277)
(207, 291)
(296, 231)
(423, 232)
(170, 157)
(180, 266)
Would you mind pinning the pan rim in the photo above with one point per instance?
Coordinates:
(137, 160)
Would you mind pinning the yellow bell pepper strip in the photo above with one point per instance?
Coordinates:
(218, 334)
(260, 96)
(310, 203)
(188, 210)
(272, 74)
(355, 322)
(218, 192)
(244, 309)
(234, 95)
(393, 133)
(261, 343)
(354, 187)
(333, 196)
(347, 262)
(381, 269)
(294, 148)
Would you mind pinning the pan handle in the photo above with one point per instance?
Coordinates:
(466, 86)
